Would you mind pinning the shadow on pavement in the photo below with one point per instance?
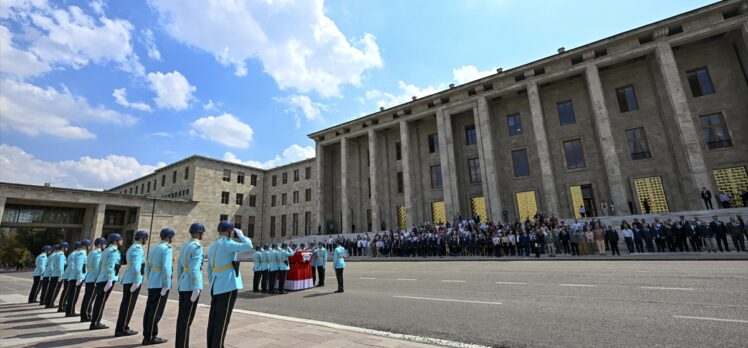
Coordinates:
(320, 294)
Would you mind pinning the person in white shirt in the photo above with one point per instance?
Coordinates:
(628, 236)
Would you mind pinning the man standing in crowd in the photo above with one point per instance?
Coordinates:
(77, 276)
(225, 279)
(57, 259)
(159, 270)
(131, 282)
(189, 283)
(707, 235)
(611, 236)
(724, 198)
(720, 232)
(40, 264)
(706, 195)
(338, 263)
(92, 272)
(108, 275)
(736, 233)
(320, 260)
(628, 236)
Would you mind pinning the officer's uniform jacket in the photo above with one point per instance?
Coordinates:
(257, 261)
(92, 265)
(221, 255)
(135, 261)
(68, 263)
(40, 264)
(110, 258)
(48, 267)
(283, 256)
(264, 260)
(78, 266)
(58, 264)
(189, 267)
(338, 256)
(272, 258)
(320, 257)
(159, 266)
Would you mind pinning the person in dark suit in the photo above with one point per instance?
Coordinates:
(736, 233)
(720, 232)
(706, 195)
(612, 237)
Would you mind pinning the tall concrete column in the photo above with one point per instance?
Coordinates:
(2, 206)
(449, 167)
(409, 194)
(684, 122)
(541, 140)
(374, 179)
(98, 222)
(607, 143)
(345, 206)
(487, 160)
(320, 198)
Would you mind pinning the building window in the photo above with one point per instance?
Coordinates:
(515, 124)
(433, 143)
(224, 197)
(638, 146)
(284, 199)
(398, 151)
(566, 113)
(275, 180)
(307, 222)
(223, 217)
(174, 177)
(142, 188)
(308, 173)
(272, 200)
(239, 199)
(163, 180)
(238, 221)
(436, 177)
(186, 173)
(252, 200)
(136, 189)
(470, 137)
(251, 226)
(295, 175)
(240, 178)
(285, 178)
(149, 186)
(272, 227)
(574, 154)
(368, 185)
(253, 179)
(308, 195)
(283, 225)
(295, 224)
(627, 99)
(520, 163)
(399, 179)
(715, 132)
(474, 170)
(296, 197)
(227, 175)
(700, 82)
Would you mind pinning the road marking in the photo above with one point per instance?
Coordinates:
(365, 278)
(663, 288)
(453, 281)
(579, 285)
(712, 319)
(511, 283)
(408, 279)
(446, 300)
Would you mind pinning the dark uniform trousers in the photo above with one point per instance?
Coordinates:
(321, 275)
(271, 280)
(99, 303)
(126, 307)
(34, 289)
(44, 285)
(154, 310)
(187, 310)
(264, 281)
(282, 280)
(221, 307)
(64, 295)
(72, 297)
(52, 292)
(87, 303)
(256, 280)
(339, 277)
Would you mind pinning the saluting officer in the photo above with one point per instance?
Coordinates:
(111, 259)
(283, 267)
(58, 267)
(40, 264)
(225, 279)
(77, 275)
(272, 267)
(46, 275)
(257, 269)
(320, 260)
(338, 263)
(264, 269)
(159, 270)
(131, 284)
(92, 268)
(189, 283)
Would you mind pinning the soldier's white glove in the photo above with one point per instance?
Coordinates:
(195, 295)
(164, 291)
(134, 287)
(108, 285)
(79, 282)
(239, 233)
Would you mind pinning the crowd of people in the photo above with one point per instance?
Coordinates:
(544, 235)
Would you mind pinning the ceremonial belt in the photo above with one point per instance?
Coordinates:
(340, 257)
(155, 268)
(223, 268)
(185, 269)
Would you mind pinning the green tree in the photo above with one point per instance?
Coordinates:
(34, 239)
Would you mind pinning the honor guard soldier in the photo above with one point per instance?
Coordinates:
(131, 284)
(338, 262)
(111, 259)
(283, 267)
(318, 262)
(58, 267)
(189, 283)
(225, 279)
(46, 275)
(40, 264)
(65, 279)
(92, 271)
(77, 276)
(272, 255)
(264, 269)
(159, 270)
(257, 269)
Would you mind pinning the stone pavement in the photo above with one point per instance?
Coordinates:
(29, 325)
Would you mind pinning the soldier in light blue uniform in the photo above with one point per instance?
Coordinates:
(58, 267)
(46, 276)
(131, 284)
(159, 271)
(111, 259)
(319, 260)
(40, 264)
(272, 255)
(257, 265)
(338, 263)
(264, 269)
(225, 279)
(65, 279)
(77, 275)
(283, 266)
(92, 272)
(189, 283)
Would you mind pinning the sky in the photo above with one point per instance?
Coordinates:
(96, 93)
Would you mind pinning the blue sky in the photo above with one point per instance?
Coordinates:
(95, 93)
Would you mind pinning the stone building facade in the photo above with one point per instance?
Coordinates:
(655, 114)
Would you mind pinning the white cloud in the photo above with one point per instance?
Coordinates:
(293, 153)
(225, 129)
(97, 6)
(87, 172)
(150, 44)
(467, 73)
(162, 134)
(120, 97)
(301, 104)
(297, 44)
(173, 91)
(16, 61)
(407, 92)
(212, 106)
(33, 110)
